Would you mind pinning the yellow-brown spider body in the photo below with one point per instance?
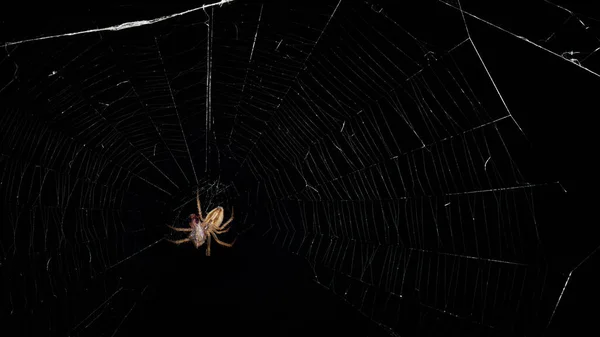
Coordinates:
(203, 229)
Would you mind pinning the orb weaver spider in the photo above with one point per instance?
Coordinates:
(203, 228)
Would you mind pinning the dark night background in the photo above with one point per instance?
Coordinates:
(273, 282)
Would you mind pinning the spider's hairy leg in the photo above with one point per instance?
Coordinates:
(198, 204)
(208, 246)
(180, 229)
(221, 231)
(221, 242)
(179, 241)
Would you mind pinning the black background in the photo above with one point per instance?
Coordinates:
(263, 286)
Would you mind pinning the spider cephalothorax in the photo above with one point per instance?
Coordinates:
(203, 228)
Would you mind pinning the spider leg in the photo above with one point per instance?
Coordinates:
(180, 229)
(198, 204)
(221, 242)
(222, 227)
(208, 246)
(222, 230)
(179, 241)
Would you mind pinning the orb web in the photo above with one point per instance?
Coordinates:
(375, 141)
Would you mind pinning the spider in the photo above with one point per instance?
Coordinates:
(201, 228)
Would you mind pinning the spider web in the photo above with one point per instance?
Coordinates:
(418, 159)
